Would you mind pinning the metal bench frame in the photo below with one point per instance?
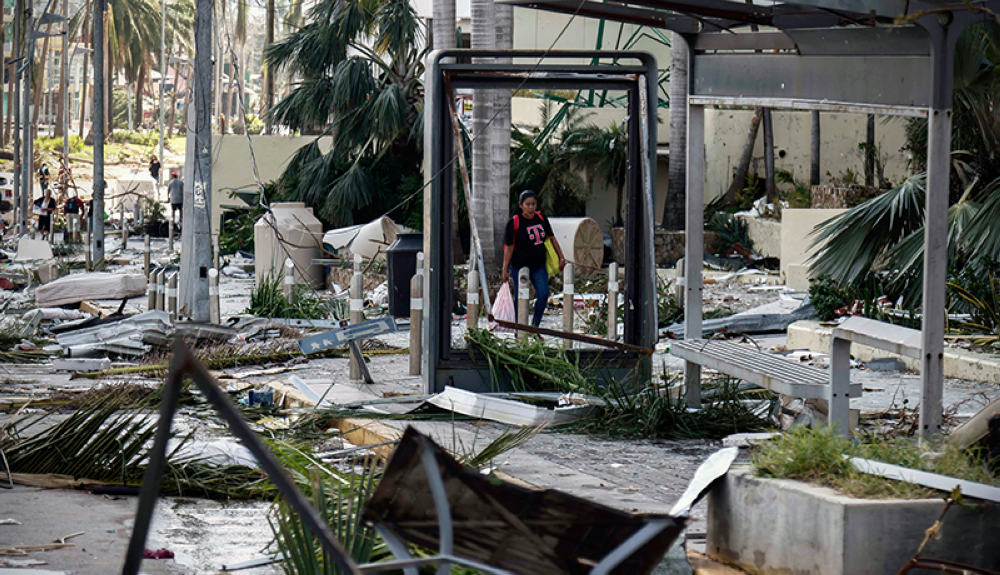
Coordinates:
(770, 372)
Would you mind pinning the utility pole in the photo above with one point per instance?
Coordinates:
(64, 85)
(196, 238)
(163, 86)
(22, 206)
(97, 209)
(25, 69)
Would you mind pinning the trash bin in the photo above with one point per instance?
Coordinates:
(401, 259)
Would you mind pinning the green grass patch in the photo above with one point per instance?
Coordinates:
(819, 457)
(268, 300)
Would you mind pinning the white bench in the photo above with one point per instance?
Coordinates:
(771, 372)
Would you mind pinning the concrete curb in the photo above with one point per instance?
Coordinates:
(778, 526)
(958, 363)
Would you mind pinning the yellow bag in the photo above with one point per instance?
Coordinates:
(551, 258)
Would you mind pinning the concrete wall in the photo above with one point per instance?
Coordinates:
(232, 169)
(796, 238)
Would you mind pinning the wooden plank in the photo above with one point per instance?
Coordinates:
(573, 336)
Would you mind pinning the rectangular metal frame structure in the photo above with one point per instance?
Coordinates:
(444, 365)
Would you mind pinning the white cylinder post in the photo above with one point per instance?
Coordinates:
(523, 293)
(416, 322)
(151, 290)
(86, 252)
(569, 294)
(613, 301)
(289, 280)
(357, 312)
(121, 221)
(213, 296)
(145, 257)
(172, 296)
(161, 291)
(472, 299)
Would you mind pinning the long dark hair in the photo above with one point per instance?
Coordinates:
(525, 196)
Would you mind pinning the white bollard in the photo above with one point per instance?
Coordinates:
(416, 322)
(86, 252)
(613, 301)
(151, 290)
(215, 312)
(289, 280)
(145, 257)
(357, 312)
(472, 299)
(569, 293)
(172, 296)
(161, 290)
(523, 293)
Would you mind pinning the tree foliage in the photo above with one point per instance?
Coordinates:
(359, 67)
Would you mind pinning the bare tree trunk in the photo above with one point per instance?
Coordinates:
(500, 140)
(63, 80)
(3, 129)
(814, 173)
(739, 178)
(674, 211)
(109, 84)
(869, 156)
(40, 89)
(173, 105)
(138, 98)
(268, 98)
(772, 192)
(483, 37)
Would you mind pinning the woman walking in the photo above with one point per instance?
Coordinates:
(524, 247)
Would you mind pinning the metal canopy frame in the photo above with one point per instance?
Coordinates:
(448, 70)
(855, 56)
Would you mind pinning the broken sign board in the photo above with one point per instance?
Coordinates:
(339, 337)
(505, 410)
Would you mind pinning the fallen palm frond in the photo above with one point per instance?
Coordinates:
(108, 438)
(222, 362)
(532, 364)
(507, 441)
(339, 499)
(25, 356)
(660, 412)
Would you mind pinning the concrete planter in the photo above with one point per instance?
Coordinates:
(769, 526)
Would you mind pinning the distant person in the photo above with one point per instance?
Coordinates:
(45, 206)
(154, 169)
(72, 209)
(43, 177)
(524, 247)
(176, 190)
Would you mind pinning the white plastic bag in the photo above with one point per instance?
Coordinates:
(503, 309)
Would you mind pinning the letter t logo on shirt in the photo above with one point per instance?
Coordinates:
(537, 233)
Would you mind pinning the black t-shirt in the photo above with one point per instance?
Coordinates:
(529, 245)
(154, 169)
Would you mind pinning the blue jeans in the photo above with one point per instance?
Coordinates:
(540, 279)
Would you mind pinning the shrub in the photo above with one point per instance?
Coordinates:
(827, 296)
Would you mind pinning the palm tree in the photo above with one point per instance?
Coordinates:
(889, 227)
(674, 208)
(360, 73)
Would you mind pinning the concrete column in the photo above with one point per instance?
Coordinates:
(523, 295)
(357, 313)
(213, 296)
(694, 245)
(88, 263)
(216, 252)
(613, 289)
(839, 402)
(416, 322)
